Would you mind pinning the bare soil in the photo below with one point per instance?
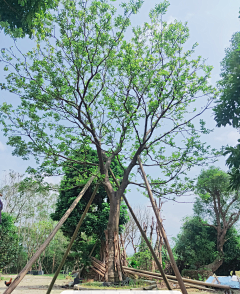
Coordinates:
(39, 284)
(34, 285)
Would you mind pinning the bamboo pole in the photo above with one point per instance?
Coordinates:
(27, 267)
(72, 240)
(157, 275)
(144, 236)
(133, 272)
(174, 265)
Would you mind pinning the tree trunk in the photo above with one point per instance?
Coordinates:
(113, 223)
(215, 265)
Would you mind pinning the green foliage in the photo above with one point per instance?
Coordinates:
(142, 259)
(9, 245)
(30, 238)
(215, 200)
(96, 220)
(17, 17)
(196, 246)
(83, 83)
(227, 109)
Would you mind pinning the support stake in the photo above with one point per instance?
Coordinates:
(173, 262)
(72, 240)
(27, 267)
(144, 236)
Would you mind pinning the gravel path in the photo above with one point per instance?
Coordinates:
(34, 285)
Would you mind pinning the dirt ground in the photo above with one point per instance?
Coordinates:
(39, 284)
(34, 285)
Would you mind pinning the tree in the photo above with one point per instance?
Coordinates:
(26, 198)
(227, 109)
(17, 17)
(218, 206)
(196, 246)
(8, 241)
(131, 233)
(85, 84)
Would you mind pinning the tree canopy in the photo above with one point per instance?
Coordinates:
(86, 84)
(217, 205)
(196, 246)
(8, 241)
(17, 17)
(227, 109)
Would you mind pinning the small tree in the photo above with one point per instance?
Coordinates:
(26, 198)
(84, 84)
(196, 246)
(218, 206)
(9, 245)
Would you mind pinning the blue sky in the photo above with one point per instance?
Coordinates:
(211, 24)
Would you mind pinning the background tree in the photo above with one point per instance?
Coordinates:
(8, 241)
(218, 206)
(196, 246)
(27, 198)
(131, 235)
(86, 85)
(227, 109)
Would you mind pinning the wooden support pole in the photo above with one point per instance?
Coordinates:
(72, 240)
(144, 236)
(27, 267)
(159, 221)
(133, 272)
(107, 256)
(189, 281)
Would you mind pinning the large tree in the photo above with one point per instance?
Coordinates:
(85, 84)
(218, 206)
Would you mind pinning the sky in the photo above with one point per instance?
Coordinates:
(211, 24)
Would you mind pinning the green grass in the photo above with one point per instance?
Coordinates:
(94, 285)
(60, 276)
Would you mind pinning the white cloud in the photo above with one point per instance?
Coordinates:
(2, 146)
(229, 137)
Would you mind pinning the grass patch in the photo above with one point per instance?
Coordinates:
(132, 284)
(60, 276)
